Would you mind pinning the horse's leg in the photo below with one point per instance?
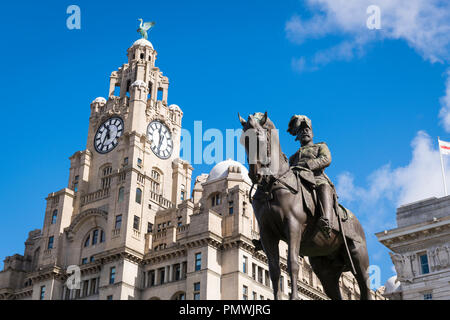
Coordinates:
(328, 275)
(294, 233)
(270, 245)
(360, 259)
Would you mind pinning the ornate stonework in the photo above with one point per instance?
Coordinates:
(128, 222)
(420, 250)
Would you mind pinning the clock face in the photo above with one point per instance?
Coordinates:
(161, 138)
(107, 136)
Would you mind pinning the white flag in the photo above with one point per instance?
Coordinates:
(444, 147)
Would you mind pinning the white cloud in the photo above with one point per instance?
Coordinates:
(423, 24)
(421, 178)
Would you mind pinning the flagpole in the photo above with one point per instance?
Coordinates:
(443, 170)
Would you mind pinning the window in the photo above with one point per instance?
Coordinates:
(106, 182)
(156, 175)
(75, 186)
(244, 264)
(138, 195)
(260, 275)
(85, 287)
(281, 284)
(42, 294)
(54, 216)
(180, 296)
(230, 207)
(255, 296)
(162, 275)
(125, 161)
(102, 236)
(84, 261)
(183, 193)
(107, 170)
(86, 243)
(254, 271)
(92, 259)
(118, 222)
(245, 292)
(95, 237)
(215, 200)
(50, 243)
(177, 275)
(93, 289)
(198, 261)
(428, 296)
(152, 278)
(136, 222)
(424, 264)
(149, 227)
(112, 275)
(121, 194)
(197, 291)
(109, 297)
(267, 281)
(139, 162)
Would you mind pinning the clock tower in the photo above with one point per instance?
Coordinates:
(130, 168)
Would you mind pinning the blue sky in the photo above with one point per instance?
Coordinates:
(376, 105)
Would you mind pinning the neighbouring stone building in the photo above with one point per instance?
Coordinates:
(128, 225)
(420, 248)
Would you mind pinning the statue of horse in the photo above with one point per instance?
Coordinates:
(282, 214)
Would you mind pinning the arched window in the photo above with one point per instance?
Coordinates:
(121, 194)
(54, 216)
(88, 239)
(183, 192)
(138, 195)
(179, 296)
(95, 237)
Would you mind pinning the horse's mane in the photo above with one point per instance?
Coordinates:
(269, 125)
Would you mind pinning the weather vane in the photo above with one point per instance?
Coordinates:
(144, 27)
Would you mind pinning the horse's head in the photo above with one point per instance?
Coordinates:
(255, 138)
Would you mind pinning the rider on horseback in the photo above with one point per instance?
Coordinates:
(315, 157)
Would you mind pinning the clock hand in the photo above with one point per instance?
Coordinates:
(107, 135)
(161, 138)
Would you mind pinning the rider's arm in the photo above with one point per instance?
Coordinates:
(323, 159)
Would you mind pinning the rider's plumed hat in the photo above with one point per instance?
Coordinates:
(296, 122)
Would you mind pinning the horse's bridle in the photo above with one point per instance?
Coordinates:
(270, 179)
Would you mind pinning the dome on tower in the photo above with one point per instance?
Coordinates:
(100, 100)
(142, 42)
(222, 169)
(174, 107)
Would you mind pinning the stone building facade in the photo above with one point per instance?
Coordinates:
(128, 225)
(420, 248)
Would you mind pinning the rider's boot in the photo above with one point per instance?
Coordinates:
(324, 193)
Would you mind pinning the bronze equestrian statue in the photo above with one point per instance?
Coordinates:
(296, 202)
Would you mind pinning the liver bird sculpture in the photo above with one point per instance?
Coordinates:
(144, 27)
